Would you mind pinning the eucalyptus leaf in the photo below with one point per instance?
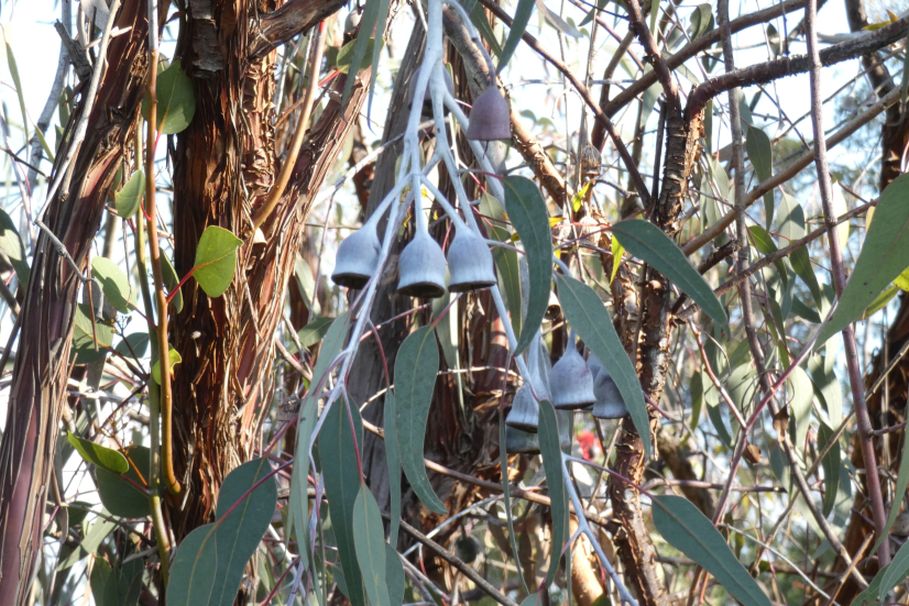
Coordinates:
(589, 318)
(518, 27)
(527, 211)
(128, 197)
(647, 242)
(688, 530)
(416, 366)
(176, 100)
(369, 542)
(114, 283)
(96, 454)
(216, 260)
(882, 259)
(555, 481)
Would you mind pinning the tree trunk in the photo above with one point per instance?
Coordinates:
(38, 390)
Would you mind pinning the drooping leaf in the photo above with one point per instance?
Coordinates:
(369, 541)
(589, 318)
(416, 366)
(394, 571)
(208, 565)
(527, 211)
(902, 483)
(760, 152)
(96, 454)
(338, 463)
(689, 531)
(11, 246)
(114, 283)
(128, 197)
(216, 260)
(123, 494)
(831, 464)
(883, 258)
(176, 100)
(393, 461)
(896, 572)
(555, 481)
(518, 27)
(647, 242)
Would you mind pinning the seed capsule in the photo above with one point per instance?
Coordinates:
(490, 119)
(358, 256)
(470, 263)
(421, 268)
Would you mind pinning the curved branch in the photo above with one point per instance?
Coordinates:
(295, 17)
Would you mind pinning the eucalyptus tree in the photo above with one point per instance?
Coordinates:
(571, 324)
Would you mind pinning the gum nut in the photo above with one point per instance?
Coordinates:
(490, 119)
(470, 263)
(595, 366)
(357, 258)
(525, 410)
(421, 268)
(570, 382)
(609, 404)
(523, 442)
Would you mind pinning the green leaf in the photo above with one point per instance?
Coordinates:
(902, 483)
(216, 260)
(369, 541)
(127, 198)
(518, 27)
(176, 100)
(172, 281)
(882, 259)
(11, 246)
(689, 531)
(123, 494)
(647, 242)
(589, 318)
(208, 565)
(527, 211)
(555, 481)
(393, 461)
(760, 152)
(395, 575)
(114, 283)
(91, 340)
(618, 251)
(416, 366)
(173, 357)
(895, 572)
(314, 330)
(338, 462)
(831, 464)
(133, 345)
(96, 454)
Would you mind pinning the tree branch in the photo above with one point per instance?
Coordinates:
(295, 17)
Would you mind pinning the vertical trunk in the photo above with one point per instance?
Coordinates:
(224, 168)
(37, 393)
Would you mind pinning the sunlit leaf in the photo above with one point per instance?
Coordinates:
(588, 317)
(174, 358)
(176, 100)
(882, 259)
(171, 281)
(11, 246)
(216, 260)
(689, 531)
(618, 251)
(647, 242)
(208, 565)
(99, 455)
(527, 211)
(416, 366)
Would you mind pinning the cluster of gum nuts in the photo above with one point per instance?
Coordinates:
(570, 384)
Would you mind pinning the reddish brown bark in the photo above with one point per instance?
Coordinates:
(37, 393)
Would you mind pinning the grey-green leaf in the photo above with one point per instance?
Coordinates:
(585, 312)
(216, 260)
(689, 531)
(416, 366)
(208, 565)
(882, 259)
(369, 542)
(518, 27)
(647, 242)
(527, 211)
(555, 481)
(393, 461)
